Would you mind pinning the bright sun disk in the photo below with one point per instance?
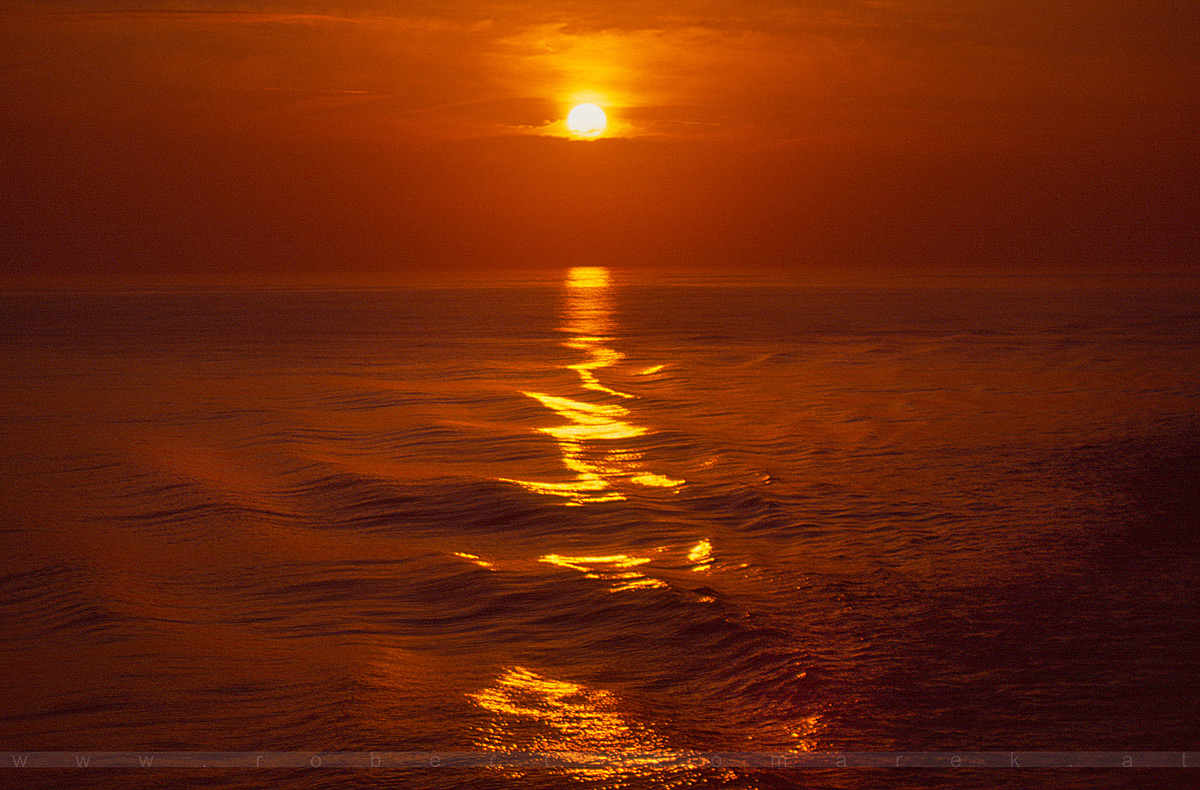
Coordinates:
(586, 120)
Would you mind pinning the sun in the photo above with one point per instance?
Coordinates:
(587, 120)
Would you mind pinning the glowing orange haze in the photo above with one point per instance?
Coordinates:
(414, 137)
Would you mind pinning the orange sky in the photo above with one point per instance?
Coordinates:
(411, 137)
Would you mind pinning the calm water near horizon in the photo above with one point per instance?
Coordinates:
(595, 511)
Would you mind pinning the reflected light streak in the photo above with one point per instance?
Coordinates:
(530, 712)
(586, 439)
(701, 555)
(475, 559)
(613, 568)
(584, 563)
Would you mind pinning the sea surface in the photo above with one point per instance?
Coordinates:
(594, 510)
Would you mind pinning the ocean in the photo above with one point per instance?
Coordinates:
(598, 511)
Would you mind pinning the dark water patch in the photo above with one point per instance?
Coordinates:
(60, 600)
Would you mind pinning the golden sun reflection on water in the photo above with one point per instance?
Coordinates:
(482, 563)
(587, 439)
(623, 570)
(531, 712)
(701, 555)
(617, 568)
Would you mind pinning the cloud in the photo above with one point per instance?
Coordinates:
(777, 70)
